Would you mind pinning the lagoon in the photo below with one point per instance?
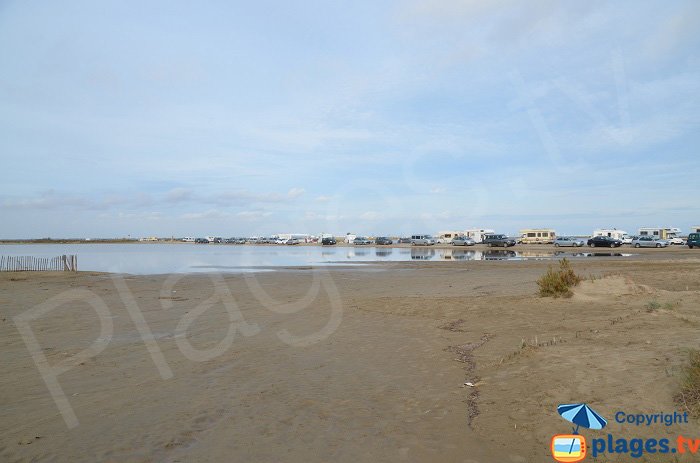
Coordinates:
(160, 258)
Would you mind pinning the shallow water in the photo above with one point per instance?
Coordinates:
(188, 258)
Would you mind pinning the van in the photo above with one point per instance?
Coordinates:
(422, 240)
(537, 236)
(694, 240)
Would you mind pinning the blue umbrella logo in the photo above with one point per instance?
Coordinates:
(581, 415)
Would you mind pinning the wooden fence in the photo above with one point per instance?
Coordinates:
(39, 264)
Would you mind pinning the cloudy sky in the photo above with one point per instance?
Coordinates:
(377, 117)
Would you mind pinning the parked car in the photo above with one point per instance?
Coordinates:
(627, 239)
(328, 241)
(498, 240)
(676, 240)
(280, 241)
(201, 241)
(405, 240)
(188, 239)
(422, 240)
(462, 241)
(569, 241)
(292, 241)
(693, 240)
(383, 240)
(230, 241)
(649, 242)
(604, 242)
(361, 240)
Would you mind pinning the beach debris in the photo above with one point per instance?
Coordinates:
(465, 355)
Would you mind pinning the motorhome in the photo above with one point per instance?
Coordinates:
(350, 238)
(477, 234)
(664, 233)
(695, 229)
(610, 232)
(302, 237)
(446, 237)
(537, 236)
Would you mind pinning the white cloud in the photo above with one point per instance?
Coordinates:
(208, 214)
(253, 215)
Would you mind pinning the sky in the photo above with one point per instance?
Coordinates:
(226, 118)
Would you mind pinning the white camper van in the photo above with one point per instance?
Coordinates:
(612, 233)
(477, 234)
(446, 237)
(667, 233)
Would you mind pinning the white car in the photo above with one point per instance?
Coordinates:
(422, 240)
(676, 240)
(649, 242)
(565, 241)
(462, 241)
(626, 239)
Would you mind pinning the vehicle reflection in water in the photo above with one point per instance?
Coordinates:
(422, 253)
(501, 255)
(495, 254)
(457, 254)
(600, 254)
(384, 252)
(163, 258)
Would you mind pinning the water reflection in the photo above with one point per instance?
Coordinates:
(384, 252)
(422, 253)
(183, 258)
(501, 255)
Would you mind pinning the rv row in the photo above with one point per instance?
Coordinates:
(611, 237)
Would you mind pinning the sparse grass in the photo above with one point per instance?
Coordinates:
(559, 282)
(672, 305)
(652, 306)
(689, 395)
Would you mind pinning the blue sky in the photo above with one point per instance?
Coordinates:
(251, 118)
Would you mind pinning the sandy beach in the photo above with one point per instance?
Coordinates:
(344, 364)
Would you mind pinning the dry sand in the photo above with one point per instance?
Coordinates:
(372, 368)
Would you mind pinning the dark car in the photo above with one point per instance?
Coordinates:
(383, 240)
(202, 241)
(405, 240)
(604, 242)
(328, 241)
(693, 240)
(498, 240)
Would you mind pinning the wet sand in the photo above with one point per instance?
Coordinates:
(368, 364)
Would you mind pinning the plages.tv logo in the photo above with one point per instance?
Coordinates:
(570, 448)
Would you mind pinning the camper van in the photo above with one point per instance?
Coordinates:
(612, 233)
(537, 236)
(695, 229)
(660, 232)
(477, 234)
(446, 237)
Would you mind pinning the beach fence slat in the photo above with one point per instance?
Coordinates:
(65, 263)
